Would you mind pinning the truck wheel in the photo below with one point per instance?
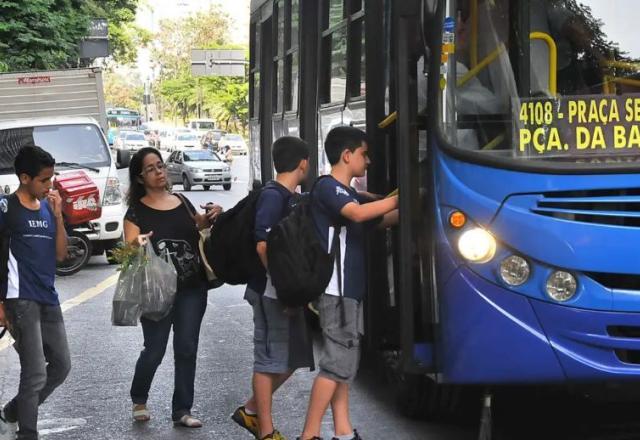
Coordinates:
(227, 186)
(186, 185)
(206, 187)
(79, 253)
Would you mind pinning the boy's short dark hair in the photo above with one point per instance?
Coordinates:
(31, 160)
(343, 138)
(287, 153)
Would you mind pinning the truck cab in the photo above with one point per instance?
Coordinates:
(76, 143)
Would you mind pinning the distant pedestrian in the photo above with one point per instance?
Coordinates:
(282, 342)
(29, 303)
(157, 215)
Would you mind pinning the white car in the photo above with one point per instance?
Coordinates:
(133, 141)
(184, 141)
(235, 142)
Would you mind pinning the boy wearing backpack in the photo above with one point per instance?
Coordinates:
(281, 340)
(337, 208)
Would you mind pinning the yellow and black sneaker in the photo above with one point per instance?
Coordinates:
(247, 421)
(275, 435)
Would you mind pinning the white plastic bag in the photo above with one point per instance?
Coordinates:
(147, 287)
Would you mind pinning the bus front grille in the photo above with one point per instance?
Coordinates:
(620, 207)
(616, 281)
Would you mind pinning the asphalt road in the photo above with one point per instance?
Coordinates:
(94, 402)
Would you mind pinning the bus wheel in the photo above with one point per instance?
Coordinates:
(421, 397)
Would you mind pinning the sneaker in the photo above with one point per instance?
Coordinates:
(356, 436)
(7, 428)
(275, 435)
(247, 421)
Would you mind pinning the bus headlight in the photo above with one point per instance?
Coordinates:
(514, 270)
(561, 286)
(477, 245)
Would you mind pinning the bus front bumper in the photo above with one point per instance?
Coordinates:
(493, 335)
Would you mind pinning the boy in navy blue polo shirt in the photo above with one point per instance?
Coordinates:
(29, 305)
(337, 208)
(281, 340)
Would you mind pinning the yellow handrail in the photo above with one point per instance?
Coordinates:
(553, 59)
(388, 120)
(620, 65)
(481, 65)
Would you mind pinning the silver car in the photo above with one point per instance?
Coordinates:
(198, 167)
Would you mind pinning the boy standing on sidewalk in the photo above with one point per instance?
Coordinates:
(282, 342)
(29, 305)
(337, 208)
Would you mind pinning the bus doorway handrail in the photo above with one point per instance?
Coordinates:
(553, 59)
(482, 64)
(622, 65)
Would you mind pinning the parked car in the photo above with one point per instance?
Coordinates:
(184, 141)
(235, 142)
(211, 139)
(198, 167)
(131, 140)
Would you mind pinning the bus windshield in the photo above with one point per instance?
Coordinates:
(123, 118)
(562, 87)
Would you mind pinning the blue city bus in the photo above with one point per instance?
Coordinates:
(511, 129)
(119, 118)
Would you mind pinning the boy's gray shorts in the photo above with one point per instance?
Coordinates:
(339, 352)
(281, 338)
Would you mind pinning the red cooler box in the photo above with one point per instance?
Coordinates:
(80, 197)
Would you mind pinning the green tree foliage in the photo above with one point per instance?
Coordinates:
(41, 34)
(124, 36)
(119, 91)
(176, 38)
(183, 96)
(44, 34)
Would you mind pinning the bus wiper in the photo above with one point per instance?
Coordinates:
(77, 166)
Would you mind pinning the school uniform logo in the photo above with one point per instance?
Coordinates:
(340, 190)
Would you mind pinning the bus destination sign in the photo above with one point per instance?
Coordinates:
(577, 126)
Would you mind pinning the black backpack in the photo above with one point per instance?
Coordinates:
(299, 267)
(231, 249)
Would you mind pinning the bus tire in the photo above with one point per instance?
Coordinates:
(421, 397)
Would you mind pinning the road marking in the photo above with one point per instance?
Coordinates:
(85, 296)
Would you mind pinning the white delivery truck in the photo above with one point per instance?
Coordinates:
(64, 113)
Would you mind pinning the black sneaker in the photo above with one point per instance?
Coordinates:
(356, 436)
(7, 428)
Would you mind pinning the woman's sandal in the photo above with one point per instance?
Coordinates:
(141, 413)
(188, 421)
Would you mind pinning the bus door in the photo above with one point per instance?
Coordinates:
(414, 240)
